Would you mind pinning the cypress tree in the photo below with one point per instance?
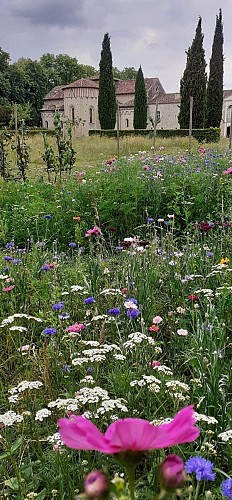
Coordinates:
(140, 102)
(215, 83)
(106, 98)
(193, 83)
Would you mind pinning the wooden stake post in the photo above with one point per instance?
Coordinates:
(155, 124)
(118, 118)
(190, 123)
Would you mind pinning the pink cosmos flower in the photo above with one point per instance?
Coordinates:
(129, 434)
(76, 328)
(95, 231)
(8, 288)
(157, 320)
(228, 171)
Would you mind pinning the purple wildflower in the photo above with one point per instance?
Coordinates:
(132, 313)
(58, 306)
(201, 467)
(89, 300)
(227, 488)
(114, 311)
(8, 258)
(49, 331)
(72, 244)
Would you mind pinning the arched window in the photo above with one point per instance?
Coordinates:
(228, 114)
(158, 117)
(46, 124)
(127, 122)
(91, 115)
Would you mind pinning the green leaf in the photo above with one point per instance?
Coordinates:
(42, 494)
(12, 483)
(13, 448)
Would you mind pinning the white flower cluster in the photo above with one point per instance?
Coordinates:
(177, 390)
(10, 418)
(91, 395)
(110, 405)
(10, 319)
(55, 439)
(111, 291)
(88, 380)
(139, 338)
(24, 385)
(226, 436)
(68, 404)
(43, 413)
(163, 369)
(161, 421)
(152, 382)
(18, 329)
(205, 418)
(96, 355)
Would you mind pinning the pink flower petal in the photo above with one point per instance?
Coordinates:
(81, 434)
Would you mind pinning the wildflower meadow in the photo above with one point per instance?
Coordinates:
(115, 324)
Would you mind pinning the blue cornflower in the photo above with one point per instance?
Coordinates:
(132, 313)
(201, 467)
(8, 258)
(49, 331)
(64, 316)
(48, 216)
(131, 299)
(150, 219)
(72, 244)
(89, 300)
(45, 267)
(10, 244)
(227, 488)
(58, 306)
(16, 261)
(115, 311)
(209, 254)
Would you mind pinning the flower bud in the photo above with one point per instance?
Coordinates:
(172, 473)
(96, 484)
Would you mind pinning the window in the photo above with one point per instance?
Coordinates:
(90, 115)
(158, 116)
(72, 114)
(228, 115)
(46, 124)
(127, 123)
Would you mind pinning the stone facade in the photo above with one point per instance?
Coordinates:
(78, 102)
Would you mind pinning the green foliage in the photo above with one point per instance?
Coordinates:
(215, 83)
(140, 102)
(5, 137)
(202, 135)
(106, 98)
(63, 69)
(5, 114)
(126, 74)
(193, 83)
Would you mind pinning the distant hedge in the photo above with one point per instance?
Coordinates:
(201, 135)
(31, 131)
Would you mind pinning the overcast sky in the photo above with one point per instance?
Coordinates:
(153, 33)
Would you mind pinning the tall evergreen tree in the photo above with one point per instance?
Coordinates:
(106, 98)
(215, 83)
(140, 102)
(193, 83)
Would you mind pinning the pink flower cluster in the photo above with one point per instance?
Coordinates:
(94, 231)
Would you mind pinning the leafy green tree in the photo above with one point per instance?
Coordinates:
(193, 83)
(63, 69)
(215, 83)
(4, 82)
(126, 74)
(106, 98)
(140, 102)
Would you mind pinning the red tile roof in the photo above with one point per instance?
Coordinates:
(128, 86)
(55, 93)
(226, 93)
(83, 82)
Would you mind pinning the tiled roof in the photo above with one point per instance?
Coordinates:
(55, 93)
(128, 86)
(170, 98)
(226, 93)
(83, 82)
(128, 104)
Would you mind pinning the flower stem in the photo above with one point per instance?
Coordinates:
(197, 490)
(131, 479)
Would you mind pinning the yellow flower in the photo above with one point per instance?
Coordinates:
(224, 261)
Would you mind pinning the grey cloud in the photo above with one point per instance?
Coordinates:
(54, 13)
